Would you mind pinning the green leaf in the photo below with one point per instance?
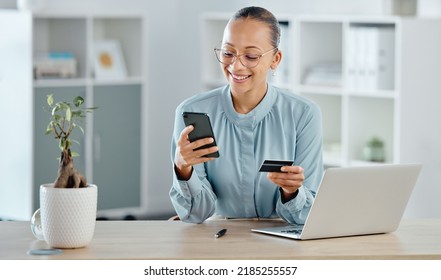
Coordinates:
(55, 109)
(68, 114)
(48, 129)
(50, 99)
(90, 110)
(81, 128)
(78, 101)
(77, 113)
(75, 154)
(64, 118)
(63, 105)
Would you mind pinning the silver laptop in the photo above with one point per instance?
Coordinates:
(356, 201)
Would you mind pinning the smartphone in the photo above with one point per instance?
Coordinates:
(202, 129)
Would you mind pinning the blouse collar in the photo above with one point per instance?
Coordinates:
(252, 118)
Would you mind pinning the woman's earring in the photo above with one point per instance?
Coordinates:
(274, 72)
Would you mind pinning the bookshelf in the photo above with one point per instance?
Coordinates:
(363, 101)
(112, 151)
(348, 65)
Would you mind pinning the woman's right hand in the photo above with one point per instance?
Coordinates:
(186, 154)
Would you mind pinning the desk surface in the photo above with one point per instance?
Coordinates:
(415, 239)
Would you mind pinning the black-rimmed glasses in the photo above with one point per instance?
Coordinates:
(248, 60)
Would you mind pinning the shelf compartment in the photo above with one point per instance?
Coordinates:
(126, 31)
(320, 54)
(117, 121)
(370, 59)
(62, 35)
(331, 108)
(212, 30)
(368, 118)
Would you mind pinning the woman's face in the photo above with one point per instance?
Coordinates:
(252, 37)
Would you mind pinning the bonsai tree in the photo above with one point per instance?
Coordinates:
(65, 117)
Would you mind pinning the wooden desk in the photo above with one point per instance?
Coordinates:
(416, 239)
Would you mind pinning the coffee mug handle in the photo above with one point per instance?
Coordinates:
(36, 228)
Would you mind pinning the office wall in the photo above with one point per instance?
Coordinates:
(8, 4)
(174, 67)
(421, 141)
(15, 125)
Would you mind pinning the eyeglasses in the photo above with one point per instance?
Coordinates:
(249, 60)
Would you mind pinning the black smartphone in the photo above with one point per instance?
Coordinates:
(274, 165)
(202, 129)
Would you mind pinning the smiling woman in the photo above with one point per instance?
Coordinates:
(252, 121)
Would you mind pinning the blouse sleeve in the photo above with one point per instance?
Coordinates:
(194, 200)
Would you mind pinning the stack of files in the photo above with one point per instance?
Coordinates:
(324, 74)
(55, 65)
(371, 57)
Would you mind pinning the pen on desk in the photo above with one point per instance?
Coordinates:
(220, 233)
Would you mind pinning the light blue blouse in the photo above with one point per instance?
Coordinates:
(284, 126)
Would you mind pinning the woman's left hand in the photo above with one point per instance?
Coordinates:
(289, 180)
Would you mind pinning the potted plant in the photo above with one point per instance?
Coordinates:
(374, 150)
(68, 206)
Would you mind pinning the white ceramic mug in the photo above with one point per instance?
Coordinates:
(68, 216)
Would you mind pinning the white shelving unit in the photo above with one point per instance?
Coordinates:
(403, 111)
(113, 151)
(352, 114)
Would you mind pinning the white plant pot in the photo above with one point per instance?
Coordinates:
(68, 215)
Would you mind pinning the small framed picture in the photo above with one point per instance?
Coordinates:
(108, 60)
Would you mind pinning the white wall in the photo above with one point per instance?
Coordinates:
(15, 123)
(8, 4)
(422, 96)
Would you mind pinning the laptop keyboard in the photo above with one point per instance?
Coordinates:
(293, 230)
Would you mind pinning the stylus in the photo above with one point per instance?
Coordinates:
(220, 233)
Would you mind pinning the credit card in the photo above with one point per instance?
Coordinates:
(274, 165)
